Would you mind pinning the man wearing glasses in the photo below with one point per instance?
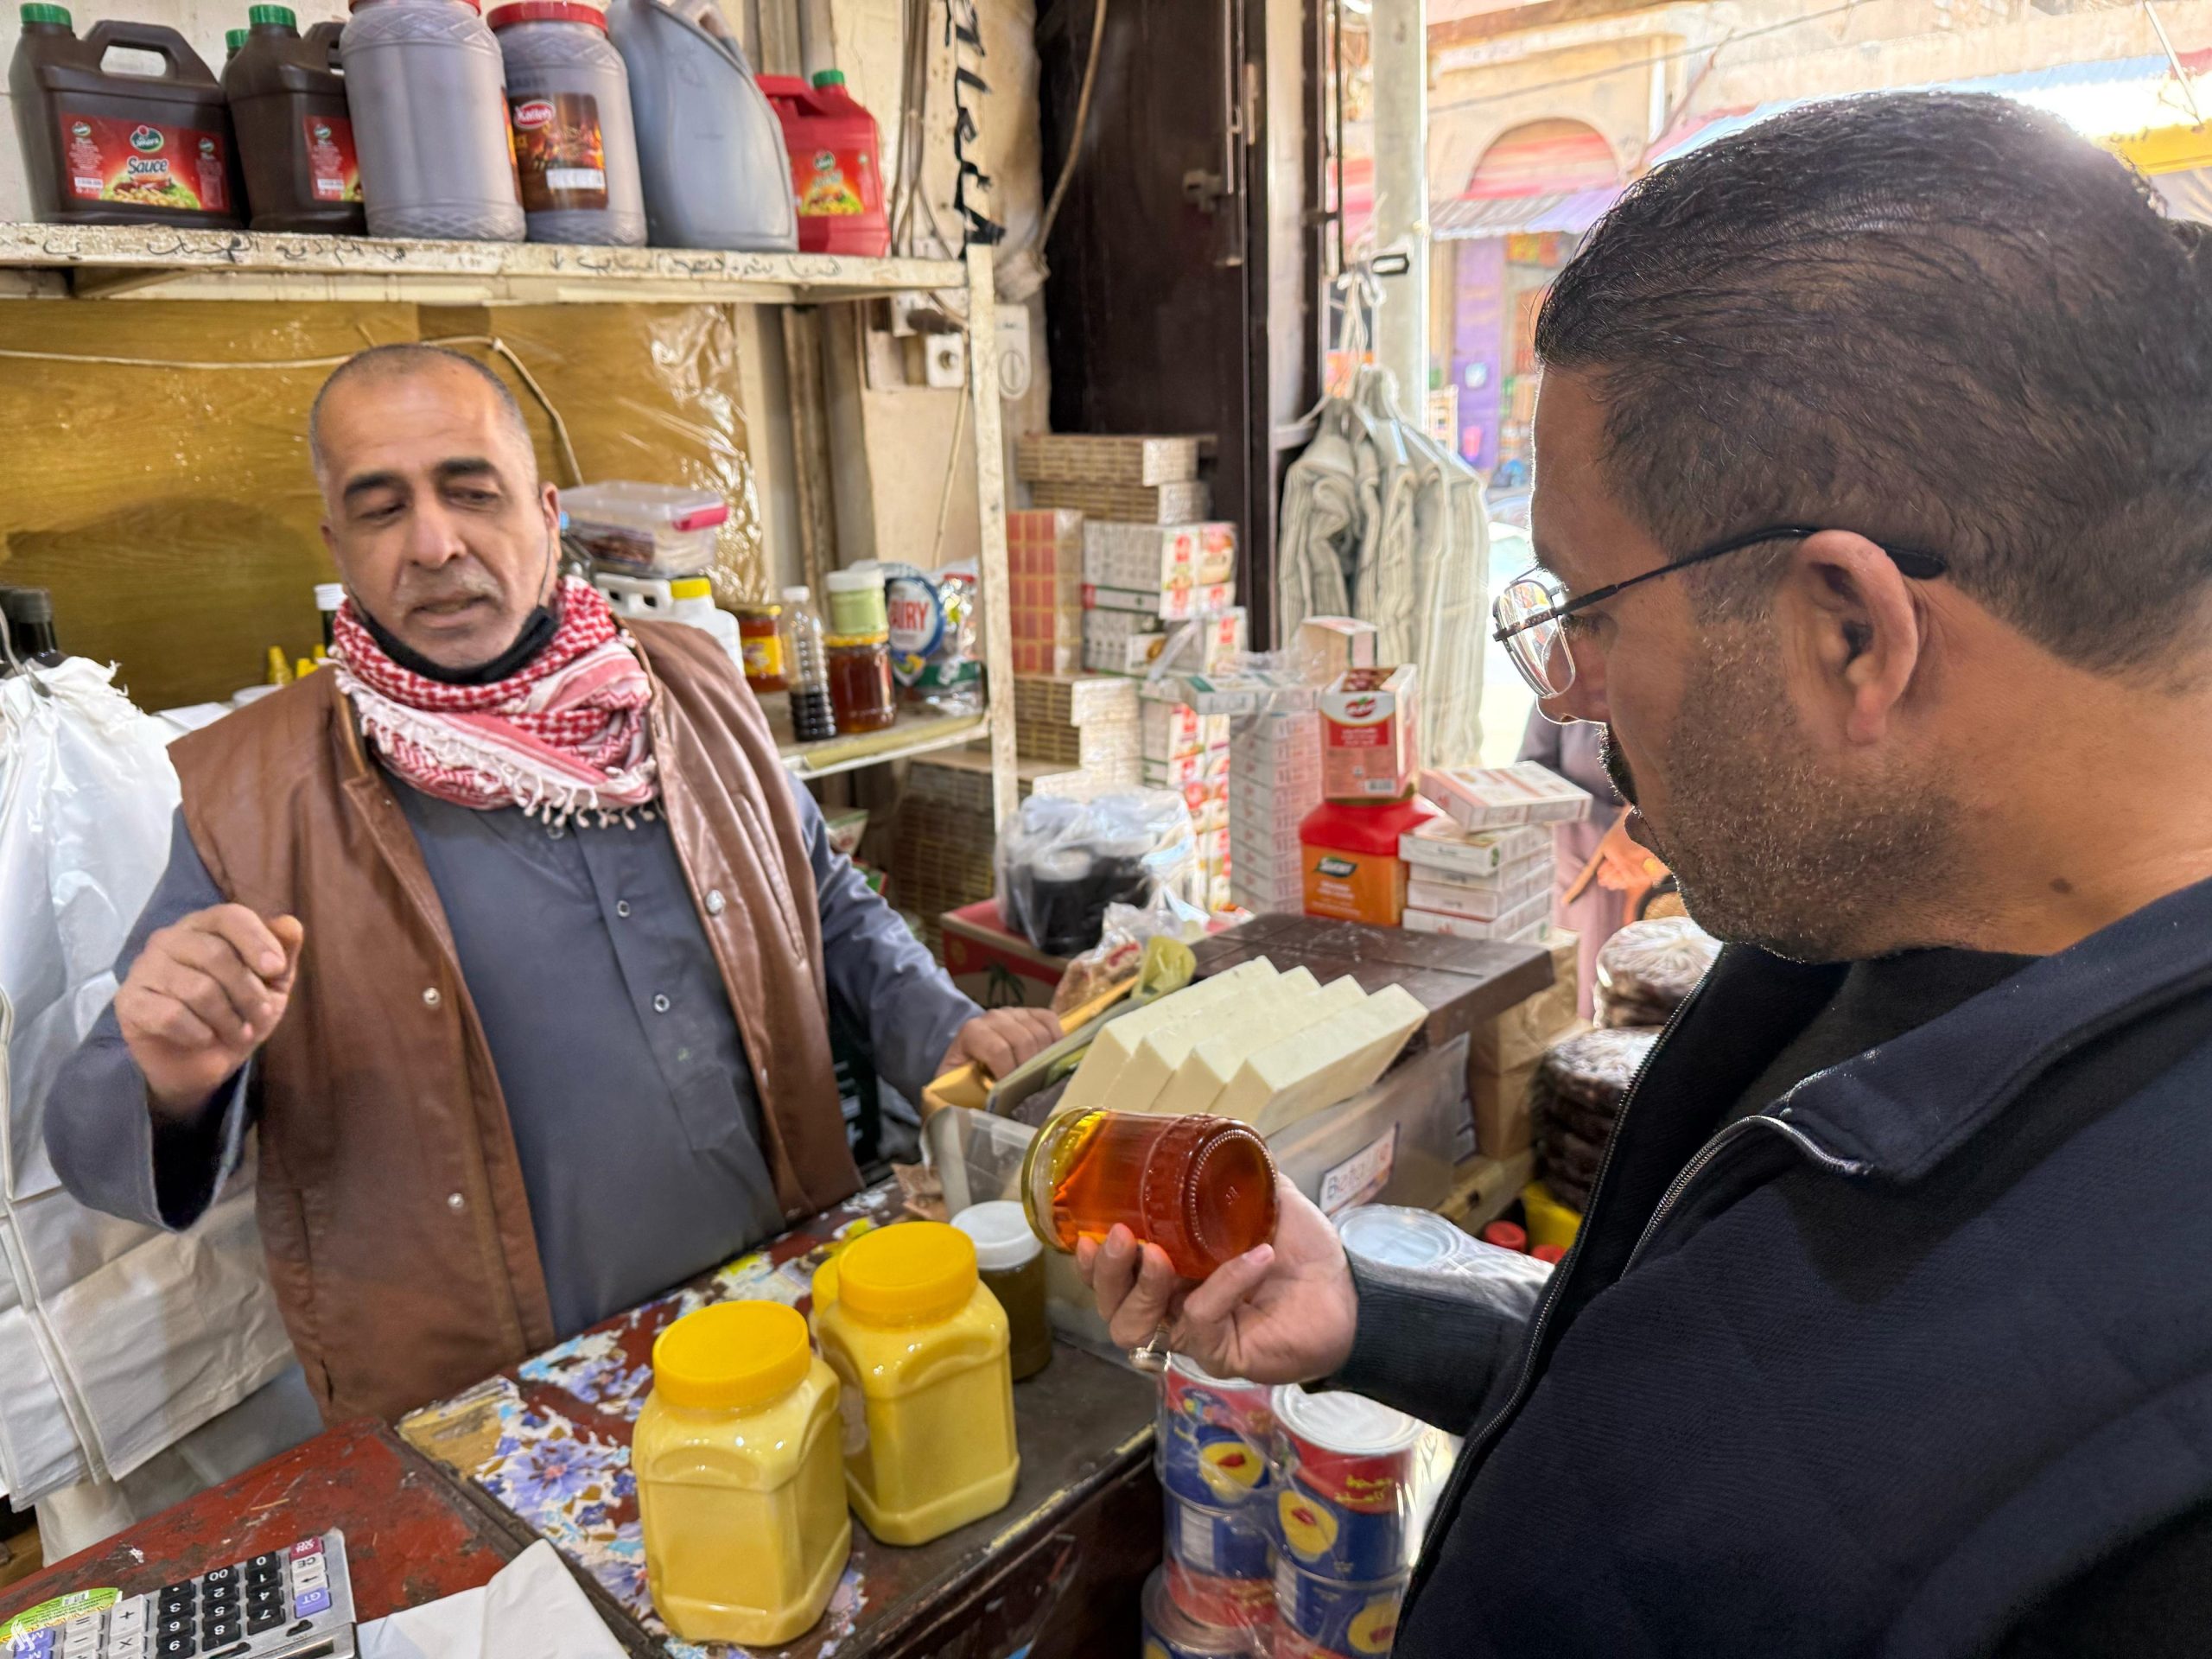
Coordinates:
(1874, 501)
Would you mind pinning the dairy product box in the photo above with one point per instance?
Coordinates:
(1493, 798)
(1370, 734)
(1175, 728)
(1158, 556)
(1167, 604)
(1522, 919)
(1442, 845)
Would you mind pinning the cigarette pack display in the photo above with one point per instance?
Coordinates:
(1158, 556)
(1165, 604)
(1131, 657)
(1440, 844)
(1371, 741)
(1170, 729)
(1044, 555)
(1328, 646)
(1183, 502)
(1495, 797)
(1090, 458)
(1519, 920)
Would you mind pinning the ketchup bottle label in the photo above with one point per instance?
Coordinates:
(559, 150)
(332, 169)
(108, 159)
(827, 182)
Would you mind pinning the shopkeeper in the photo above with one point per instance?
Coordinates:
(508, 930)
(1874, 495)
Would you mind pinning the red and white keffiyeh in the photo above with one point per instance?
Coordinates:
(567, 733)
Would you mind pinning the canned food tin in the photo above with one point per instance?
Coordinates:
(1172, 1633)
(1242, 1605)
(1227, 1543)
(1344, 1501)
(1214, 1436)
(1356, 1620)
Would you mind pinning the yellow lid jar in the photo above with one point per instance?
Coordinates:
(914, 1334)
(736, 1456)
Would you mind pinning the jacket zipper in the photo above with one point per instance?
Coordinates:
(1478, 1445)
(1712, 1149)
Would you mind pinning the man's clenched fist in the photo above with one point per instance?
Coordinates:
(203, 994)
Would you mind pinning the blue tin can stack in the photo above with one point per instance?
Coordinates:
(1342, 1522)
(1215, 1439)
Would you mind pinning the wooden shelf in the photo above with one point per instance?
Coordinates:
(116, 262)
(913, 735)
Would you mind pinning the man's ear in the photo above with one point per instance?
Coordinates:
(1864, 635)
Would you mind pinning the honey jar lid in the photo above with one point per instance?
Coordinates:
(732, 1356)
(917, 1270)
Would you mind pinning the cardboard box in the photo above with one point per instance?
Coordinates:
(1043, 551)
(1203, 766)
(1105, 458)
(995, 966)
(1167, 604)
(1440, 844)
(1495, 894)
(1326, 647)
(1519, 920)
(1131, 656)
(1497, 798)
(1173, 729)
(1370, 744)
(1158, 556)
(1506, 1050)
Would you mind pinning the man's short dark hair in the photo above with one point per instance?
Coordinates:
(404, 358)
(1940, 320)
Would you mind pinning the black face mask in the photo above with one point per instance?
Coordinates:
(538, 630)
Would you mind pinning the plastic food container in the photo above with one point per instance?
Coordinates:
(856, 600)
(659, 528)
(914, 1334)
(1394, 1236)
(739, 1440)
(426, 89)
(1011, 1260)
(569, 104)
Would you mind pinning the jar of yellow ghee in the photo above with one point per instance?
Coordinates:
(740, 1485)
(915, 1335)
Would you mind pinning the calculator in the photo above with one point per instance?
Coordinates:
(296, 1603)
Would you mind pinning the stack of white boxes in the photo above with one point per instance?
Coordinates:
(1274, 780)
(1140, 582)
(1485, 871)
(1188, 752)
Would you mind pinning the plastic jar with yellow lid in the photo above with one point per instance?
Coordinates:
(915, 1335)
(740, 1485)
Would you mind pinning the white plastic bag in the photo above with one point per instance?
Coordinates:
(1060, 863)
(116, 1340)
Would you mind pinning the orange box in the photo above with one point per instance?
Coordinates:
(1349, 859)
(1370, 748)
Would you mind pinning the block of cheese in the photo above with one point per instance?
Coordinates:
(1207, 1068)
(1164, 1048)
(1093, 1082)
(1332, 1061)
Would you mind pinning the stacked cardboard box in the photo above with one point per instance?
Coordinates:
(1505, 1053)
(1478, 884)
(1044, 553)
(1274, 780)
(1086, 722)
(1188, 752)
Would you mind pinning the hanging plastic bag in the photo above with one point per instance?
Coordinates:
(1060, 863)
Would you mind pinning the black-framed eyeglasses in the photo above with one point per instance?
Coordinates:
(1526, 615)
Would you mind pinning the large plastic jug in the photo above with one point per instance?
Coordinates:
(568, 102)
(837, 164)
(711, 149)
(104, 148)
(918, 1341)
(740, 1490)
(428, 91)
(295, 130)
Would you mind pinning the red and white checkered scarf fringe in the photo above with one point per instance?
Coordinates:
(565, 734)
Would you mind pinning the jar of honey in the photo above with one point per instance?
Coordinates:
(1202, 1189)
(739, 1440)
(860, 681)
(760, 642)
(916, 1338)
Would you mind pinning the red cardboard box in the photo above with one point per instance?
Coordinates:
(993, 965)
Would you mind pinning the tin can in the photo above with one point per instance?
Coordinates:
(1170, 1632)
(1215, 1433)
(1343, 1502)
(1354, 1620)
(1247, 1605)
(1225, 1543)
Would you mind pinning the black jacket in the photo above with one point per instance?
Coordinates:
(1893, 1368)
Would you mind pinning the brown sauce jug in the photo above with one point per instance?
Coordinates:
(296, 136)
(103, 147)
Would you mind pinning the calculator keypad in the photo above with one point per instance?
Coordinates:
(228, 1612)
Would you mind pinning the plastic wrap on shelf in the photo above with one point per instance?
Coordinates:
(1061, 862)
(1121, 946)
(1647, 968)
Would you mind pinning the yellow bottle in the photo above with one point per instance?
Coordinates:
(914, 1334)
(739, 1484)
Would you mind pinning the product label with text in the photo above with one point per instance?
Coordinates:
(333, 172)
(559, 150)
(179, 168)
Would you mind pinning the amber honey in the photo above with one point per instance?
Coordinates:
(1202, 1189)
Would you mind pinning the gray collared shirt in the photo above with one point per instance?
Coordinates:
(632, 1105)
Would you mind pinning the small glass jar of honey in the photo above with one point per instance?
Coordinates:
(860, 681)
(1202, 1189)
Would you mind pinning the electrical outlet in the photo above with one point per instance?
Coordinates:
(1014, 352)
(944, 360)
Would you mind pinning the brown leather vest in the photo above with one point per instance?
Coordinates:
(390, 1200)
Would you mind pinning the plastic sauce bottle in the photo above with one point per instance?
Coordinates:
(1201, 1188)
(1012, 1263)
(692, 599)
(568, 102)
(295, 130)
(710, 151)
(740, 1483)
(916, 1337)
(806, 667)
(106, 147)
(232, 40)
(836, 167)
(426, 86)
